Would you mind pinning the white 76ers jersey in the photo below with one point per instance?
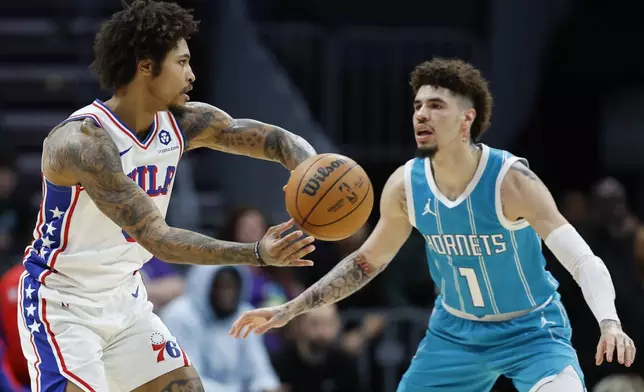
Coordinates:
(76, 247)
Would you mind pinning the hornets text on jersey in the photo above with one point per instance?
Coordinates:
(77, 248)
(483, 263)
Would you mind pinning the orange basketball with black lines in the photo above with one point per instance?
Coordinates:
(329, 196)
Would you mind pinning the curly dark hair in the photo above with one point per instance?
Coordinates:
(145, 29)
(460, 78)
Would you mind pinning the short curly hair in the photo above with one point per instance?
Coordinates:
(145, 29)
(460, 78)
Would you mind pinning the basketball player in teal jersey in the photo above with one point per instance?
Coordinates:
(483, 214)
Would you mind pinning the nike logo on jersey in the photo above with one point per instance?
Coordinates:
(125, 151)
(136, 293)
(428, 208)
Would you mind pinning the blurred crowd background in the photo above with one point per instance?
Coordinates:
(568, 96)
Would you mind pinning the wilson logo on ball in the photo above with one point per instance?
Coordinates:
(313, 183)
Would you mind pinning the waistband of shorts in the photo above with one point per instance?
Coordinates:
(495, 317)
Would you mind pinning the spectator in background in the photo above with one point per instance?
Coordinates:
(269, 286)
(16, 220)
(639, 256)
(574, 206)
(610, 230)
(13, 365)
(200, 320)
(615, 230)
(8, 381)
(315, 361)
(162, 282)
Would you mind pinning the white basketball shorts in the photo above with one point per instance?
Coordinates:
(116, 344)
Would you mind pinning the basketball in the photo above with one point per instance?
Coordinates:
(329, 196)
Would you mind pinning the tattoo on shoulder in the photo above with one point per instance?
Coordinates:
(184, 385)
(91, 151)
(524, 171)
(403, 200)
(90, 156)
(196, 117)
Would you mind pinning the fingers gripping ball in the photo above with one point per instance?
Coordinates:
(330, 196)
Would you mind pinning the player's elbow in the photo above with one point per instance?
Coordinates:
(590, 265)
(371, 262)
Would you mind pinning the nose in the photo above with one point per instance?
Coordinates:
(422, 114)
(191, 76)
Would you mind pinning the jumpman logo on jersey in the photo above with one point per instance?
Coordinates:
(428, 209)
(545, 322)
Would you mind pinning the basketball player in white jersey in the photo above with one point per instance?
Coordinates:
(108, 172)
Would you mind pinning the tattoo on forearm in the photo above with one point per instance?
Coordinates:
(284, 147)
(90, 156)
(350, 275)
(606, 325)
(238, 137)
(184, 385)
(207, 126)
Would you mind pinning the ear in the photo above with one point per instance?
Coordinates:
(466, 124)
(468, 118)
(146, 67)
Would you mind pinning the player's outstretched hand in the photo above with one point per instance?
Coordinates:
(613, 337)
(259, 321)
(287, 251)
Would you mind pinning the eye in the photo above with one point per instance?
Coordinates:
(435, 105)
(183, 62)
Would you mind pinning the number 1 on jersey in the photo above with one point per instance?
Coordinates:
(473, 284)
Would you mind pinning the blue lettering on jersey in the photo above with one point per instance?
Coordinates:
(482, 263)
(148, 179)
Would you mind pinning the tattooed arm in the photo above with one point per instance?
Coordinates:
(352, 273)
(81, 153)
(524, 196)
(207, 126)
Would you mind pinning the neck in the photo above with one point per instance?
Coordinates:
(132, 106)
(454, 167)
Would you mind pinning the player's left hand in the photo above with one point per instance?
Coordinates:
(614, 337)
(286, 251)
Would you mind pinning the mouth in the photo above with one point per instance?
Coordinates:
(185, 93)
(424, 134)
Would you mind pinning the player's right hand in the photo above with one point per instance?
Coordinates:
(260, 321)
(287, 251)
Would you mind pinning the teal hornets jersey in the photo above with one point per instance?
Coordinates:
(483, 263)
